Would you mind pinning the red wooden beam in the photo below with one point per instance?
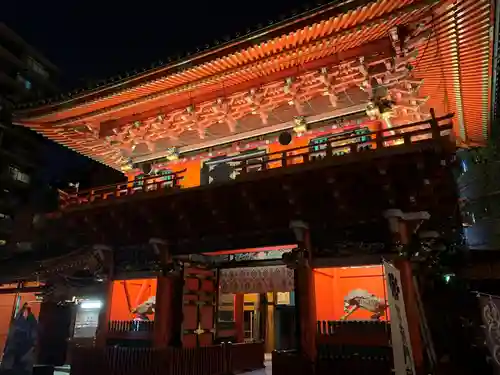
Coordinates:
(380, 47)
(28, 289)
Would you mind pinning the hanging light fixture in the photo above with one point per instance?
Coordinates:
(372, 111)
(300, 125)
(172, 154)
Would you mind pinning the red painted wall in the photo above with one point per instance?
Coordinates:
(139, 290)
(332, 284)
(192, 173)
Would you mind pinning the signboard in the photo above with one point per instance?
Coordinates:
(490, 313)
(227, 167)
(283, 298)
(400, 335)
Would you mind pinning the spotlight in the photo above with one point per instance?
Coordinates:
(91, 305)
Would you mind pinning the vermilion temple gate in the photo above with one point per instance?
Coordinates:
(244, 212)
(326, 119)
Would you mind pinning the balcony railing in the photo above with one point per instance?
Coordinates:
(332, 147)
(354, 347)
(205, 360)
(130, 329)
(147, 184)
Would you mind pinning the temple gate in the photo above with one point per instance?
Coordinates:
(327, 120)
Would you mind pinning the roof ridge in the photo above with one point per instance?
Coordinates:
(182, 58)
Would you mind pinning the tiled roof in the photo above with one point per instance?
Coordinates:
(188, 74)
(455, 65)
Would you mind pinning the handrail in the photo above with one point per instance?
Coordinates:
(350, 144)
(149, 183)
(332, 146)
(203, 360)
(128, 326)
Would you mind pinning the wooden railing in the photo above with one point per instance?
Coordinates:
(147, 184)
(433, 129)
(245, 356)
(353, 332)
(354, 347)
(210, 360)
(332, 147)
(130, 329)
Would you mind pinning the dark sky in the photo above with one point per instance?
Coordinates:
(98, 39)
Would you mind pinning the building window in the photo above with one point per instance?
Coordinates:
(18, 175)
(23, 81)
(37, 67)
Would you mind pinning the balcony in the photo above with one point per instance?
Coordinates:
(332, 150)
(343, 198)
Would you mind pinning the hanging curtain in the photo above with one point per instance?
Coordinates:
(256, 279)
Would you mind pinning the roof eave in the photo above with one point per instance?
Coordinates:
(314, 15)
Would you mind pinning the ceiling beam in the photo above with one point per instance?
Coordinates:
(382, 47)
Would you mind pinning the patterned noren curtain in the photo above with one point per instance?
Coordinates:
(256, 279)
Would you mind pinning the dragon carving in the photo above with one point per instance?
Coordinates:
(143, 310)
(361, 299)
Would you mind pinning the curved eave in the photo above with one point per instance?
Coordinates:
(235, 45)
(341, 46)
(217, 65)
(63, 138)
(455, 65)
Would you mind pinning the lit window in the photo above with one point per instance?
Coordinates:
(18, 175)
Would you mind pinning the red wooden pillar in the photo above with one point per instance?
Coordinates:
(305, 301)
(239, 307)
(402, 227)
(162, 308)
(375, 126)
(412, 312)
(169, 299)
(168, 312)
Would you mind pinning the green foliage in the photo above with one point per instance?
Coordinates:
(484, 155)
(436, 256)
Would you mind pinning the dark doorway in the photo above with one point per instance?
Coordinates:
(285, 327)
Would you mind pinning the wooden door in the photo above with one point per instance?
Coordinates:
(199, 306)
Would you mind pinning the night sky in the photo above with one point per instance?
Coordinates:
(93, 40)
(97, 39)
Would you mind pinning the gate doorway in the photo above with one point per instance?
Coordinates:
(255, 298)
(252, 317)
